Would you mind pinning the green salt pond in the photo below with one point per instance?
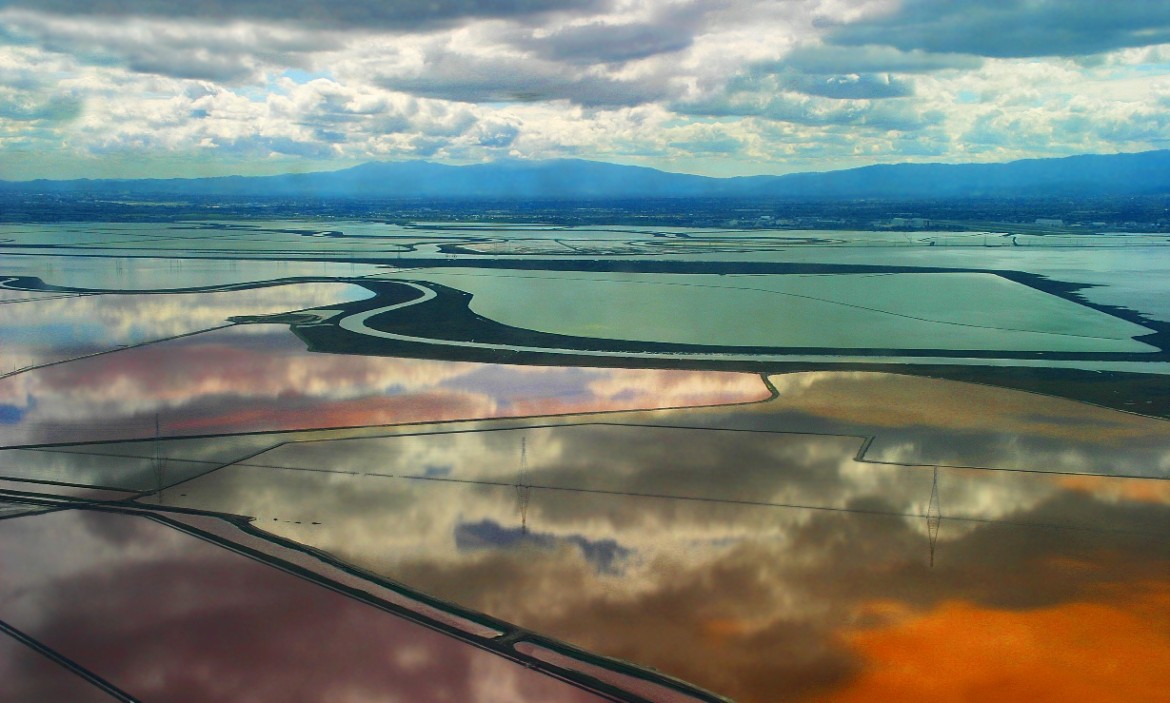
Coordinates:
(929, 311)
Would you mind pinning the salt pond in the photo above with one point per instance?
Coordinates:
(969, 311)
(720, 547)
(168, 615)
(42, 331)
(830, 535)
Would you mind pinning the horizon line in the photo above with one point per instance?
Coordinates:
(524, 160)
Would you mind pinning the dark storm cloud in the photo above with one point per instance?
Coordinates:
(359, 14)
(1013, 28)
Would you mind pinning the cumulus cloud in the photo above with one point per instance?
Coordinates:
(496, 133)
(728, 87)
(34, 107)
(321, 119)
(820, 59)
(850, 86)
(814, 111)
(833, 72)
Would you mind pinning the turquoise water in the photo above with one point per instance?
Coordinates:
(845, 311)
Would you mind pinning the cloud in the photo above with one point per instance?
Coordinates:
(223, 53)
(822, 59)
(111, 88)
(211, 625)
(454, 75)
(159, 117)
(496, 134)
(1079, 124)
(712, 592)
(31, 108)
(1012, 28)
(52, 330)
(601, 42)
(262, 378)
(30, 92)
(713, 144)
(852, 73)
(813, 110)
(353, 14)
(850, 87)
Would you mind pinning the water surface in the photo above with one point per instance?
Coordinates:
(758, 562)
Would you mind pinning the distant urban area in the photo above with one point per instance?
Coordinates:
(1148, 213)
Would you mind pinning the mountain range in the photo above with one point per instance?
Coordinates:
(1132, 174)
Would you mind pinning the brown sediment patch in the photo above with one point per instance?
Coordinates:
(895, 400)
(1077, 651)
(1109, 488)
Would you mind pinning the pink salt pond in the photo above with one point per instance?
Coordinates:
(259, 378)
(130, 608)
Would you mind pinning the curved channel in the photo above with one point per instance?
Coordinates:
(356, 323)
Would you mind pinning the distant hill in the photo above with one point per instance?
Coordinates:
(1089, 175)
(1144, 173)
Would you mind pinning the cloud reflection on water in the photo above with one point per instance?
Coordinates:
(261, 378)
(757, 602)
(917, 420)
(163, 615)
(45, 331)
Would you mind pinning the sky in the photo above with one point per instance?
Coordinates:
(166, 88)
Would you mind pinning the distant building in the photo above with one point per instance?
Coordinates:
(1049, 222)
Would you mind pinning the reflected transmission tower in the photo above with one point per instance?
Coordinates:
(158, 466)
(933, 516)
(523, 489)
